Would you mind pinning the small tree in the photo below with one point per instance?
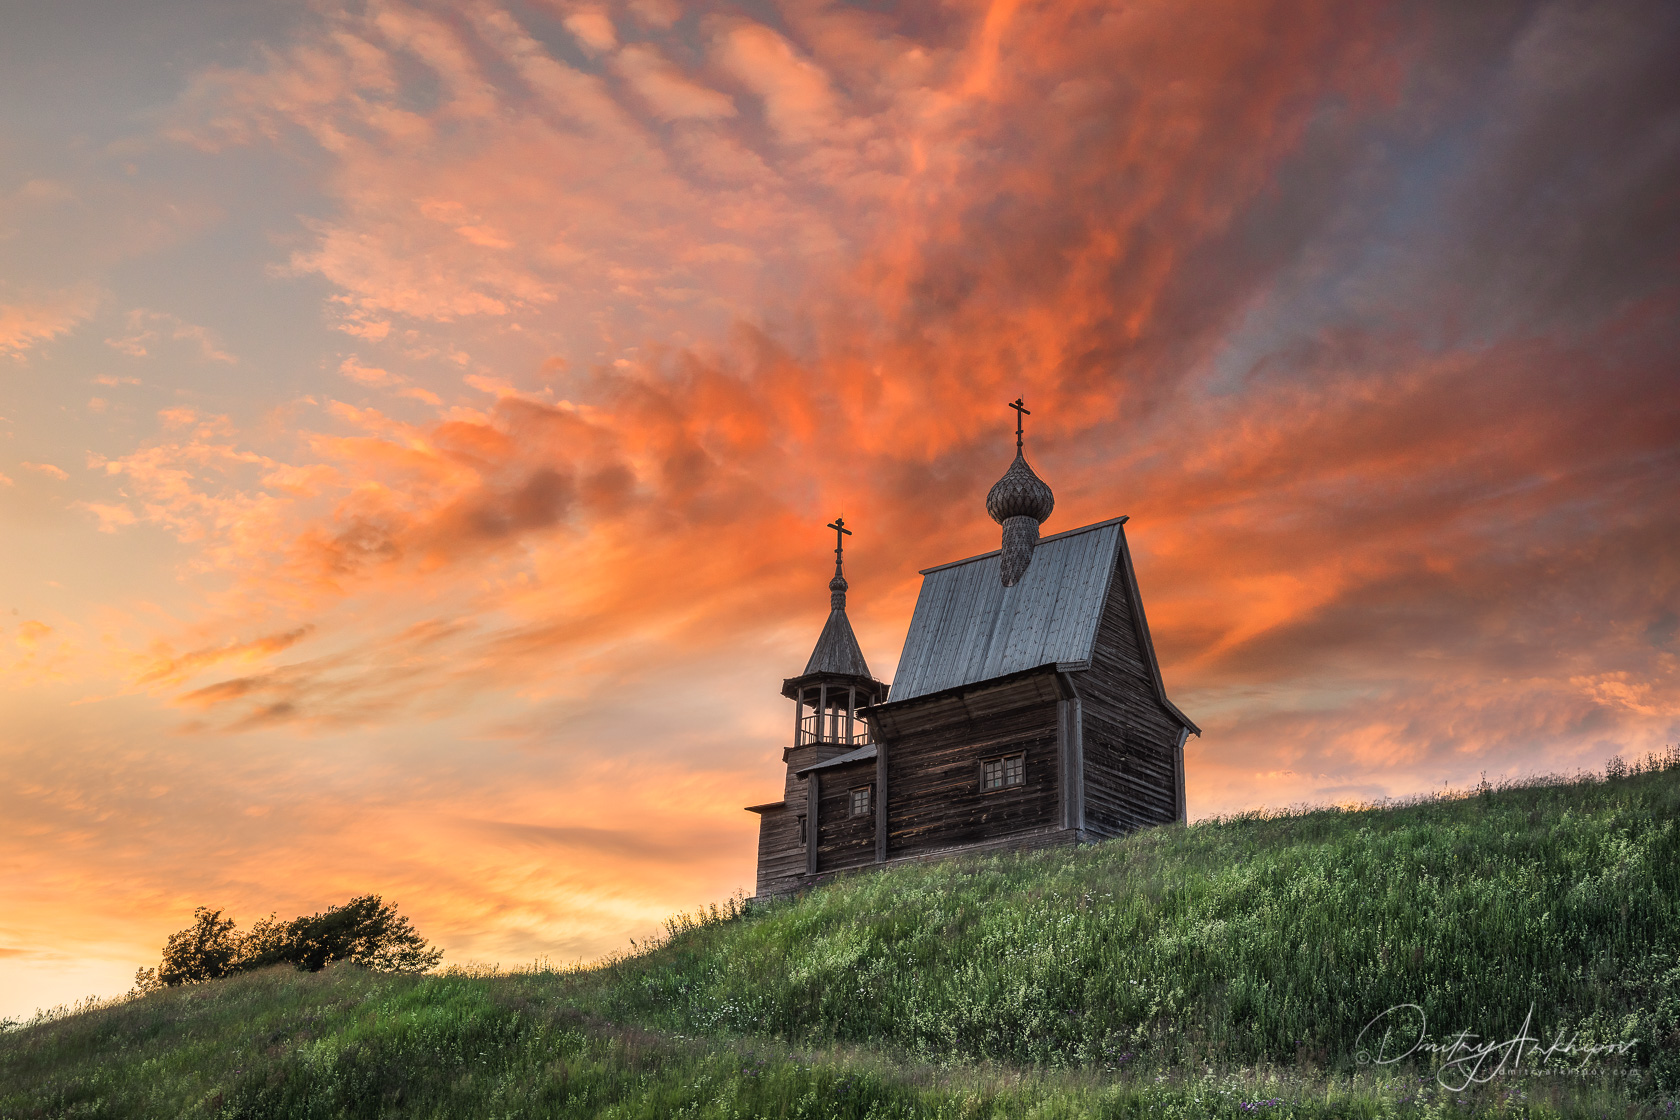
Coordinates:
(367, 931)
(204, 950)
(264, 944)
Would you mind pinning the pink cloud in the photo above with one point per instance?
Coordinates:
(799, 100)
(671, 95)
(593, 28)
(147, 328)
(1394, 526)
(26, 324)
(353, 368)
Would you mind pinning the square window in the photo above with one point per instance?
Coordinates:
(862, 802)
(998, 773)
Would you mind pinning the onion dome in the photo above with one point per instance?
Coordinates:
(1020, 493)
(1019, 501)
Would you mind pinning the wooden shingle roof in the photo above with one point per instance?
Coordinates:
(837, 649)
(969, 628)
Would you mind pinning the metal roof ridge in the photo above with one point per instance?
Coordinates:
(1042, 541)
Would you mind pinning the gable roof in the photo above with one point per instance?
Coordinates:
(968, 627)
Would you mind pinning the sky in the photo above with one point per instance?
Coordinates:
(419, 420)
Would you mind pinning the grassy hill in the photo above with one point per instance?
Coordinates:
(1220, 970)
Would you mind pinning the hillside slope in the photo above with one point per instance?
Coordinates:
(1239, 941)
(1215, 970)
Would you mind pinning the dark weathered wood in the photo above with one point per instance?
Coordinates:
(1130, 738)
(1178, 763)
(935, 748)
(781, 861)
(1071, 748)
(1083, 703)
(813, 801)
(880, 802)
(844, 840)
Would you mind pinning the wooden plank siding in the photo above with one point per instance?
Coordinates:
(1130, 738)
(1059, 668)
(934, 748)
(844, 840)
(781, 857)
(1016, 842)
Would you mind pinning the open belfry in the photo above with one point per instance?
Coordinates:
(1027, 710)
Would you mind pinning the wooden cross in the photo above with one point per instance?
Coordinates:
(840, 535)
(1021, 410)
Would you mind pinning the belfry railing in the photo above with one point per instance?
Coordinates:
(833, 726)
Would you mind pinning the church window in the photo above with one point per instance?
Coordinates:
(862, 801)
(802, 839)
(997, 773)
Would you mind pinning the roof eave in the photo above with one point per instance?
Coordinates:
(865, 753)
(970, 686)
(1140, 624)
(792, 685)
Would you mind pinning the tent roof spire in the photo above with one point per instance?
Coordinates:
(837, 650)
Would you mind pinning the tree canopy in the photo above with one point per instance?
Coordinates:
(367, 931)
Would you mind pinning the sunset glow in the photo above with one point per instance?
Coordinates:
(418, 421)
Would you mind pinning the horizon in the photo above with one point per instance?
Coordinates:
(421, 422)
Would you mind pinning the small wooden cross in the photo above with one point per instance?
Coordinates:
(840, 535)
(1021, 410)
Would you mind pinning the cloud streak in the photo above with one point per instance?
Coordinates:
(27, 323)
(1366, 318)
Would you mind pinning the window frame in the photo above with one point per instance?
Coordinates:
(868, 792)
(1002, 763)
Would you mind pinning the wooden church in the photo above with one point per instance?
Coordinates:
(1027, 710)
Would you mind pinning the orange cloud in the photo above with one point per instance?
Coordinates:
(147, 328)
(172, 667)
(31, 632)
(28, 323)
(1300, 289)
(668, 93)
(1061, 199)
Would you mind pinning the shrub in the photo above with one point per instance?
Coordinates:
(367, 931)
(205, 950)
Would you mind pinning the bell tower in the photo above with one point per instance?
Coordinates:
(827, 698)
(836, 683)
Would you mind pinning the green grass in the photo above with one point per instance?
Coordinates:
(1222, 970)
(1244, 941)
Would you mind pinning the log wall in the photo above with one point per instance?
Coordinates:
(781, 857)
(933, 755)
(844, 840)
(1130, 739)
